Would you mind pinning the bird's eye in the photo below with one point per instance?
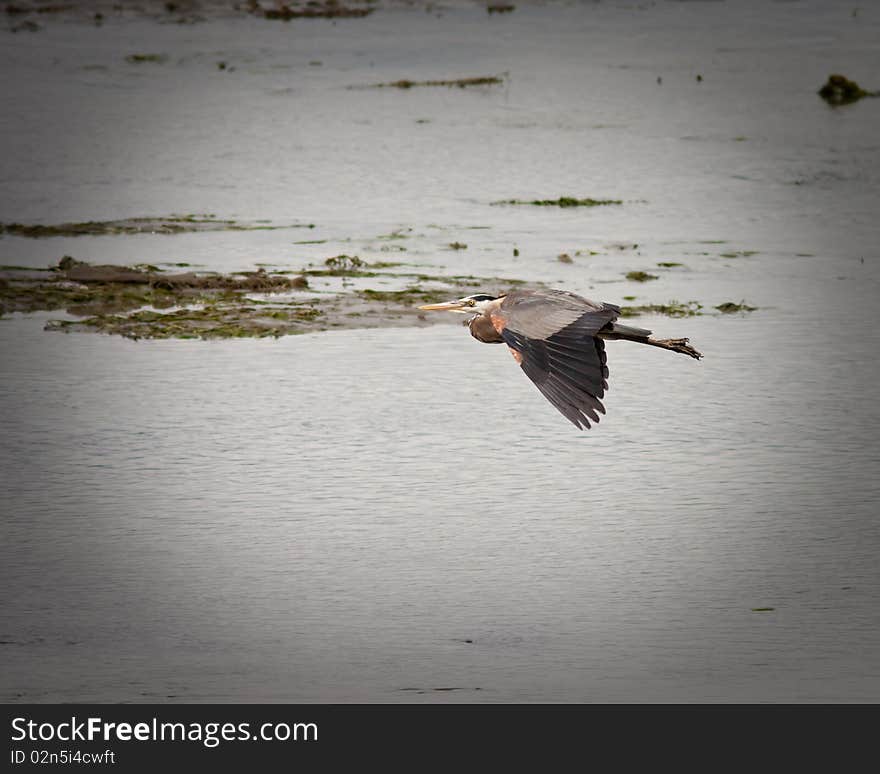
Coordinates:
(471, 302)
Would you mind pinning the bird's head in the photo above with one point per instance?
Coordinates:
(476, 304)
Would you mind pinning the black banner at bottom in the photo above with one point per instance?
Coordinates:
(146, 737)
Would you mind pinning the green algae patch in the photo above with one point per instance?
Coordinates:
(562, 201)
(209, 322)
(139, 302)
(669, 264)
(411, 295)
(454, 286)
(173, 224)
(399, 233)
(146, 58)
(839, 90)
(461, 83)
(640, 276)
(353, 266)
(311, 10)
(15, 10)
(386, 264)
(682, 308)
(344, 264)
(763, 609)
(729, 307)
(671, 309)
(90, 290)
(416, 294)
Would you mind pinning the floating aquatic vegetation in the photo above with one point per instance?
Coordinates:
(312, 10)
(146, 58)
(75, 283)
(353, 266)
(730, 307)
(640, 276)
(458, 245)
(562, 201)
(343, 265)
(173, 224)
(500, 8)
(669, 264)
(212, 321)
(25, 26)
(411, 295)
(15, 10)
(398, 233)
(681, 309)
(840, 90)
(385, 264)
(564, 258)
(132, 301)
(671, 309)
(482, 80)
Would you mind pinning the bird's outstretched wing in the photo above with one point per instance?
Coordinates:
(552, 334)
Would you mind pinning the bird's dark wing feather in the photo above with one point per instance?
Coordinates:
(567, 364)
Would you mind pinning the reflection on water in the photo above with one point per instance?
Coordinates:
(374, 515)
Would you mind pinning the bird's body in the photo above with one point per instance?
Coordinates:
(557, 338)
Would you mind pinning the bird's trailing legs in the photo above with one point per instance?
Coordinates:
(676, 345)
(615, 330)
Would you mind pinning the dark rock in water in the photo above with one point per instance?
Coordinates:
(840, 90)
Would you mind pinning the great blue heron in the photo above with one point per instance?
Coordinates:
(557, 339)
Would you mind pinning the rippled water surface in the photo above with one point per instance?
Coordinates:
(397, 514)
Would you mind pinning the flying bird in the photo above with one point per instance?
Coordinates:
(558, 339)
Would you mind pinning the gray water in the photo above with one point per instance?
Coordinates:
(382, 515)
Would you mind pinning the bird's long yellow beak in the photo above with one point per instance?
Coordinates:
(446, 306)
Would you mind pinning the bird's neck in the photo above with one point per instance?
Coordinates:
(483, 330)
